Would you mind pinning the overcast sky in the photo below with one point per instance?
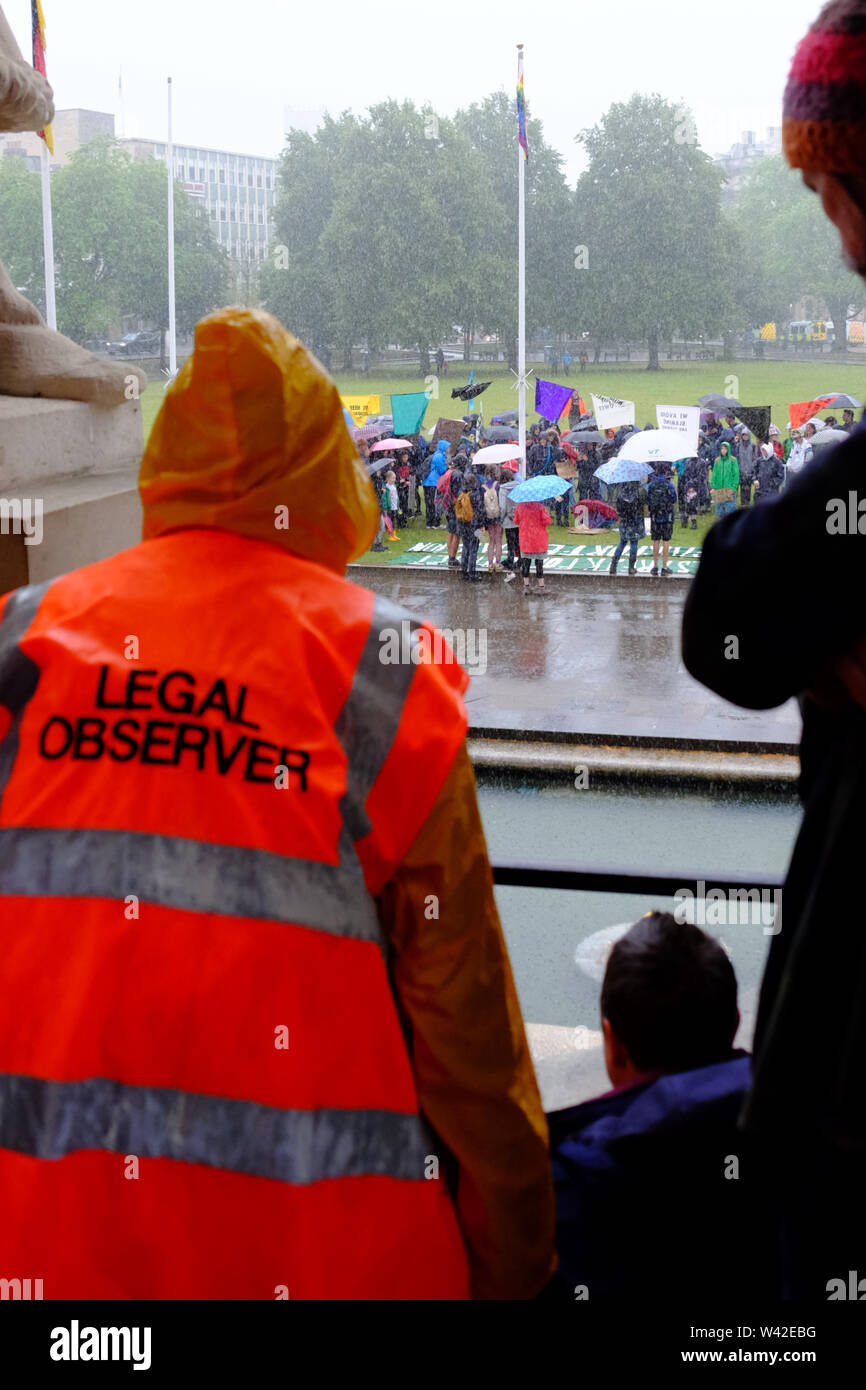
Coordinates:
(237, 64)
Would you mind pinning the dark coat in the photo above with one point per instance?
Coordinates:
(540, 460)
(643, 1209)
(795, 595)
(771, 475)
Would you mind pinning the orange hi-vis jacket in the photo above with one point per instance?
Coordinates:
(205, 1088)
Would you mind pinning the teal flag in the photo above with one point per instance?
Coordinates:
(408, 412)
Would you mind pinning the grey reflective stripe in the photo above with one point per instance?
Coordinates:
(192, 874)
(50, 1119)
(369, 720)
(19, 675)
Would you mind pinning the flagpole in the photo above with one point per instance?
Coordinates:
(172, 323)
(48, 240)
(521, 284)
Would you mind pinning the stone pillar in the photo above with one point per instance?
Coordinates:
(68, 485)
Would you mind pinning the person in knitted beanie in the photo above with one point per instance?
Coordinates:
(824, 120)
(790, 585)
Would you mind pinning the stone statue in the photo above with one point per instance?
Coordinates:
(34, 359)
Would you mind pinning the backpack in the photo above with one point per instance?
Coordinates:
(463, 509)
(491, 503)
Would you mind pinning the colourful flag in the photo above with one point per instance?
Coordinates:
(802, 411)
(408, 409)
(39, 58)
(521, 107)
(550, 398)
(757, 419)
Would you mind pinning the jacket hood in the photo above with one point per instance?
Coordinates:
(251, 439)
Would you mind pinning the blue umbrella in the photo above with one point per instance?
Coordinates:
(619, 470)
(540, 489)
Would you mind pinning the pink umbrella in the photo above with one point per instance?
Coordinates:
(391, 444)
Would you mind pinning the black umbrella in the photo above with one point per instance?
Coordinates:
(470, 419)
(584, 437)
(509, 417)
(722, 405)
(499, 434)
(468, 393)
(841, 401)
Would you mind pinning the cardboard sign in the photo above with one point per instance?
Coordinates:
(610, 412)
(684, 420)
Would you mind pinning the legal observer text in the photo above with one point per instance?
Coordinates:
(163, 742)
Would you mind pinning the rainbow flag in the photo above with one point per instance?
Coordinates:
(521, 108)
(39, 58)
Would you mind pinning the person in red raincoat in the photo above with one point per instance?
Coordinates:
(532, 519)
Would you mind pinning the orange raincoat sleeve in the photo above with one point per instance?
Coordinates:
(471, 1061)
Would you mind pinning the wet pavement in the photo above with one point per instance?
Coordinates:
(590, 657)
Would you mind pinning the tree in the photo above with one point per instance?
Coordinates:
(791, 249)
(661, 255)
(491, 127)
(111, 242)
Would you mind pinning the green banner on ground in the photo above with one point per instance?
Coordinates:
(581, 559)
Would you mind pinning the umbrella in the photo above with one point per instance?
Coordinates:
(496, 453)
(471, 417)
(620, 470)
(841, 401)
(468, 393)
(499, 434)
(540, 489)
(509, 416)
(827, 439)
(722, 405)
(584, 437)
(371, 430)
(652, 446)
(391, 444)
(377, 464)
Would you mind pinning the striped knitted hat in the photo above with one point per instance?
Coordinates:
(824, 119)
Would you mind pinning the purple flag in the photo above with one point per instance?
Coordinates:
(550, 399)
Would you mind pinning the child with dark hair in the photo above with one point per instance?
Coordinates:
(646, 1201)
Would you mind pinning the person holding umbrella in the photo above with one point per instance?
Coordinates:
(533, 519)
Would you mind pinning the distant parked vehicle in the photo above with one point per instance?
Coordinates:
(136, 345)
(97, 345)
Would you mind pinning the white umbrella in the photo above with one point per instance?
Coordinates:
(827, 438)
(496, 453)
(391, 444)
(654, 446)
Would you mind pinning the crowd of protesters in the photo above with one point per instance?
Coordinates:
(471, 502)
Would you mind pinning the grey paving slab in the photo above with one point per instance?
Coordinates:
(596, 660)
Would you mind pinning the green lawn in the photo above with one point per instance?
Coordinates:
(757, 383)
(417, 531)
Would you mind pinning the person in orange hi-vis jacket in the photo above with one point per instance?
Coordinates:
(259, 1034)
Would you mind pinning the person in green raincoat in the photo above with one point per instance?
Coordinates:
(725, 480)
